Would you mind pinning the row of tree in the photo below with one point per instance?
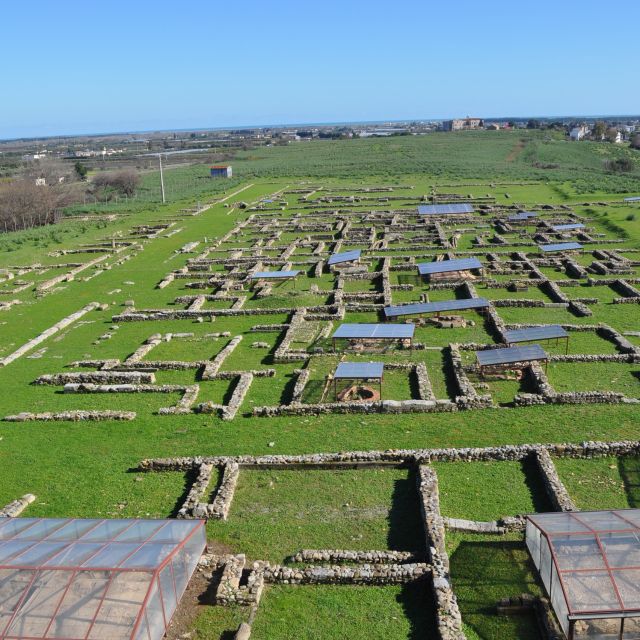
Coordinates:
(24, 205)
(39, 194)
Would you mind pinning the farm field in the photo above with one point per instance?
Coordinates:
(187, 354)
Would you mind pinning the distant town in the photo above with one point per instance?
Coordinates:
(116, 147)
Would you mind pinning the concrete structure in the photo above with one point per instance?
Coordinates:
(221, 171)
(578, 133)
(463, 124)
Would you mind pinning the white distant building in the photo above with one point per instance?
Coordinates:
(619, 139)
(578, 133)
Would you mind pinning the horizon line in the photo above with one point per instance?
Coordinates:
(313, 124)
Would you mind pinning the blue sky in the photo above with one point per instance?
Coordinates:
(76, 67)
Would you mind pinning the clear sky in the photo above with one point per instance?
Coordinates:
(72, 66)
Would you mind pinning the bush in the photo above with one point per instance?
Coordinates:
(123, 182)
(619, 165)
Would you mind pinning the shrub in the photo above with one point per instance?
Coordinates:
(123, 182)
(619, 165)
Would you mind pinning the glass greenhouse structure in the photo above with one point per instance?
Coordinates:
(76, 579)
(589, 563)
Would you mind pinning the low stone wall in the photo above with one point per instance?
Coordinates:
(448, 616)
(97, 377)
(301, 383)
(193, 507)
(376, 574)
(601, 357)
(469, 397)
(355, 557)
(525, 302)
(579, 309)
(242, 387)
(556, 491)
(499, 527)
(425, 390)
(502, 453)
(230, 592)
(626, 301)
(16, 507)
(71, 416)
(385, 406)
(211, 368)
(58, 326)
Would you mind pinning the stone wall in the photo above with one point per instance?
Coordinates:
(211, 368)
(58, 326)
(448, 616)
(385, 406)
(16, 507)
(336, 556)
(556, 491)
(97, 377)
(218, 509)
(373, 574)
(240, 391)
(71, 416)
(501, 453)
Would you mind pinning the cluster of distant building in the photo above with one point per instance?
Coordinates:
(600, 130)
(617, 134)
(199, 145)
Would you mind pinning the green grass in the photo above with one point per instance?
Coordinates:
(602, 483)
(489, 490)
(485, 569)
(599, 376)
(361, 613)
(83, 469)
(293, 510)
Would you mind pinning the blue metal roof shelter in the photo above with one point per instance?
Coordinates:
(435, 307)
(345, 256)
(274, 275)
(560, 246)
(511, 355)
(375, 331)
(358, 371)
(444, 209)
(568, 227)
(364, 331)
(446, 266)
(522, 215)
(529, 334)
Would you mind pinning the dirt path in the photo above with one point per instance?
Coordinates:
(516, 151)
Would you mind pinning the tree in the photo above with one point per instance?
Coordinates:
(123, 182)
(599, 130)
(611, 134)
(533, 124)
(24, 205)
(619, 165)
(81, 170)
(635, 141)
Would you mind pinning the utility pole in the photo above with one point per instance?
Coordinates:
(161, 178)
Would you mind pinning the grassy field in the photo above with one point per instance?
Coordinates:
(84, 469)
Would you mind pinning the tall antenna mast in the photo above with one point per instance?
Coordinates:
(161, 178)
